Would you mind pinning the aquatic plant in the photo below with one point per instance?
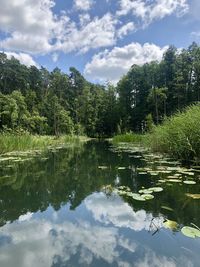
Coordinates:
(179, 135)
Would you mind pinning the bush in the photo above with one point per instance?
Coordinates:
(179, 135)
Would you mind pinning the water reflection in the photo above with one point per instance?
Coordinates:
(88, 238)
(54, 213)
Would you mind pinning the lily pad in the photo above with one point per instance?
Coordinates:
(175, 180)
(156, 189)
(172, 177)
(170, 224)
(125, 188)
(162, 181)
(163, 171)
(154, 173)
(145, 191)
(189, 182)
(190, 232)
(103, 167)
(136, 196)
(194, 196)
(147, 196)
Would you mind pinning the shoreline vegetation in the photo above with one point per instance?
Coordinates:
(12, 142)
(41, 108)
(178, 136)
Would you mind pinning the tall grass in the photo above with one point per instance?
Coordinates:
(179, 135)
(14, 142)
(128, 138)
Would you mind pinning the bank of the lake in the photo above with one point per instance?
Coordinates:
(178, 136)
(22, 142)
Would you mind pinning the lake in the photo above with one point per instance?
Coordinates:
(74, 207)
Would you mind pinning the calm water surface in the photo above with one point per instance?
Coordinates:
(55, 211)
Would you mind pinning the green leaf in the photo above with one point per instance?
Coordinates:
(170, 224)
(190, 232)
(145, 191)
(156, 189)
(136, 196)
(121, 168)
(194, 196)
(189, 182)
(166, 208)
(147, 196)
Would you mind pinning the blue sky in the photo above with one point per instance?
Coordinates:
(101, 38)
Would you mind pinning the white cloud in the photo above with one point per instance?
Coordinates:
(125, 29)
(55, 57)
(118, 213)
(100, 32)
(84, 19)
(83, 5)
(23, 58)
(111, 65)
(149, 11)
(59, 242)
(25, 217)
(31, 27)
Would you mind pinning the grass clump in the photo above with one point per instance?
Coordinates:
(25, 141)
(179, 135)
(128, 138)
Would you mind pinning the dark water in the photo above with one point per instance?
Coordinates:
(56, 212)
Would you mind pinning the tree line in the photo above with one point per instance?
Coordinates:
(54, 103)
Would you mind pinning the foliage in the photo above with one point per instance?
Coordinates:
(179, 135)
(128, 138)
(54, 103)
(21, 141)
(159, 89)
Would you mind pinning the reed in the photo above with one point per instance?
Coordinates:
(179, 135)
(21, 142)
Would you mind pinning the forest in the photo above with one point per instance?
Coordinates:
(54, 103)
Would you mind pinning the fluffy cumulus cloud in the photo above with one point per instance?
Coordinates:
(83, 5)
(148, 11)
(29, 25)
(51, 244)
(111, 65)
(125, 29)
(32, 27)
(119, 213)
(23, 58)
(99, 32)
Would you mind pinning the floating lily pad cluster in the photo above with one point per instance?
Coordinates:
(142, 195)
(10, 158)
(169, 174)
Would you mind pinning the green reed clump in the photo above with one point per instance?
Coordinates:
(25, 141)
(128, 138)
(179, 135)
